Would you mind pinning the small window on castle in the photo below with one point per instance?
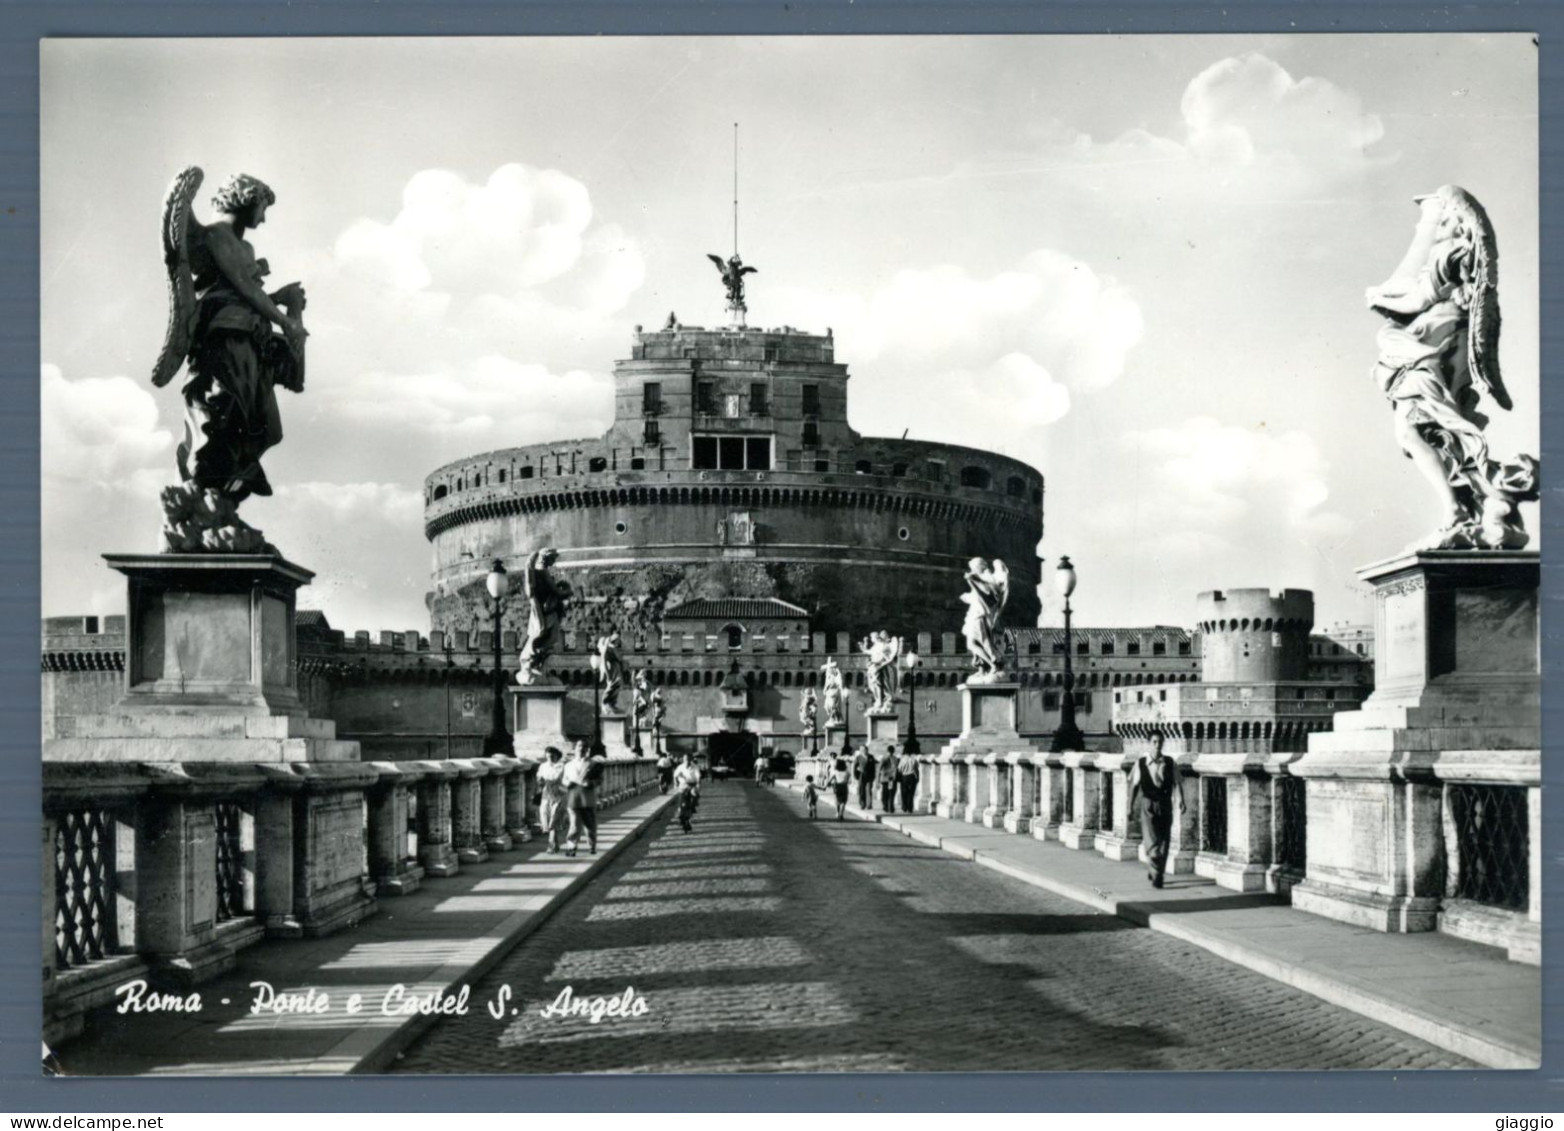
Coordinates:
(1330, 693)
(1035, 648)
(597, 463)
(1058, 647)
(730, 453)
(811, 434)
(705, 398)
(973, 476)
(1107, 647)
(1084, 648)
(757, 453)
(524, 472)
(1360, 650)
(1183, 648)
(704, 453)
(863, 467)
(502, 475)
(811, 400)
(637, 463)
(936, 470)
(1015, 488)
(652, 433)
(1132, 648)
(1162, 695)
(757, 400)
(1159, 647)
(651, 398)
(735, 636)
(1037, 495)
(898, 470)
(89, 625)
(822, 465)
(440, 492)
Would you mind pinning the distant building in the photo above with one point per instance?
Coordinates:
(730, 471)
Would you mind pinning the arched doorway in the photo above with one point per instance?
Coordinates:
(736, 750)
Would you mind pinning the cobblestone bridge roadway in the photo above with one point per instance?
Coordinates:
(763, 942)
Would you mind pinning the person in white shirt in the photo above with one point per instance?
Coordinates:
(1156, 780)
(687, 780)
(582, 774)
(551, 795)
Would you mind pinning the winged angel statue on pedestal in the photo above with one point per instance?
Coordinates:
(1438, 351)
(239, 343)
(988, 591)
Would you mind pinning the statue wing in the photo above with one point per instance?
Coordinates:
(181, 285)
(1483, 298)
(722, 267)
(749, 270)
(1001, 588)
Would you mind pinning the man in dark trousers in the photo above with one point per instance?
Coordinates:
(907, 780)
(863, 774)
(887, 777)
(1156, 781)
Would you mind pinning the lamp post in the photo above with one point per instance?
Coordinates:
(597, 749)
(499, 740)
(450, 662)
(1068, 736)
(911, 660)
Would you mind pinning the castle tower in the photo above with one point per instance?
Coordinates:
(1255, 636)
(731, 471)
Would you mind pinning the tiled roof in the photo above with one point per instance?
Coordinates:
(735, 608)
(1050, 635)
(310, 618)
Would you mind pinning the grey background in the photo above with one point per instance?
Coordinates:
(25, 1091)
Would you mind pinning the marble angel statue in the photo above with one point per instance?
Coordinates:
(238, 344)
(1438, 357)
(988, 590)
(831, 692)
(882, 651)
(547, 600)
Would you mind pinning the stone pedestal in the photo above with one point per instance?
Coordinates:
(1457, 704)
(436, 853)
(328, 828)
(1022, 776)
(1247, 864)
(988, 710)
(390, 866)
(618, 735)
(1052, 782)
(996, 799)
(1080, 832)
(496, 837)
(467, 811)
(831, 744)
(211, 630)
(883, 728)
(1118, 839)
(538, 718)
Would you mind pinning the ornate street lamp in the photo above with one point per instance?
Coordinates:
(1068, 736)
(499, 740)
(597, 748)
(911, 660)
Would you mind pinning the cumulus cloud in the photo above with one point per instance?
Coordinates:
(102, 433)
(1248, 126)
(442, 318)
(1203, 488)
(1027, 338)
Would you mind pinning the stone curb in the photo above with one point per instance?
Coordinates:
(1346, 991)
(371, 1050)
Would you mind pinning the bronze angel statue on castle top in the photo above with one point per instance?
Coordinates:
(1438, 352)
(238, 343)
(733, 272)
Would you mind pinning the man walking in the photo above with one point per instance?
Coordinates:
(863, 774)
(907, 779)
(687, 780)
(1156, 781)
(886, 775)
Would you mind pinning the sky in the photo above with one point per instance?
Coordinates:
(1137, 263)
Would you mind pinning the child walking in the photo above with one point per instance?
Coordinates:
(811, 796)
